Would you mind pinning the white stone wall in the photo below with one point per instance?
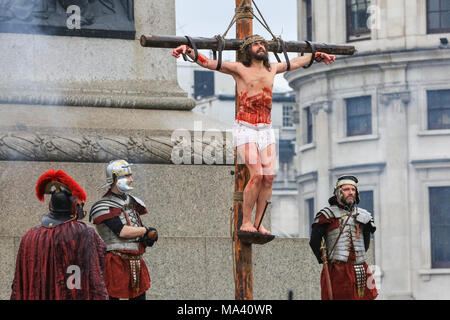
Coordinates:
(401, 158)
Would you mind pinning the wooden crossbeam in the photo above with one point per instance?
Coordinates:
(155, 41)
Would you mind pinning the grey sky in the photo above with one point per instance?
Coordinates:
(207, 18)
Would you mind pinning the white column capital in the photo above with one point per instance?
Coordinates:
(387, 97)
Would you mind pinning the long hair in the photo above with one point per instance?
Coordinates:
(246, 57)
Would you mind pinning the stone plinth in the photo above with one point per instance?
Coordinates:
(79, 71)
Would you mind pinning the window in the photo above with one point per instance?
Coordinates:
(287, 116)
(286, 150)
(309, 126)
(203, 84)
(366, 202)
(359, 116)
(308, 10)
(438, 109)
(440, 226)
(311, 213)
(438, 16)
(357, 17)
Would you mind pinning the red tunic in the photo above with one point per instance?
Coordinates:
(50, 260)
(342, 275)
(118, 279)
(255, 109)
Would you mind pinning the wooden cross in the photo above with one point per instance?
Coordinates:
(244, 27)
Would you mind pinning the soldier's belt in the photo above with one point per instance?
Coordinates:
(135, 267)
(127, 256)
(334, 261)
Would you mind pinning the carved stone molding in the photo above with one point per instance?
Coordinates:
(166, 101)
(322, 105)
(387, 97)
(149, 148)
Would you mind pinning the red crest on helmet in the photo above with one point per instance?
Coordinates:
(58, 179)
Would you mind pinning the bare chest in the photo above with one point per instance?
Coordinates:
(253, 81)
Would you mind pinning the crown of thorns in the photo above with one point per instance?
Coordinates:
(254, 38)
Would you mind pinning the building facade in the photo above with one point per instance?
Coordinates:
(384, 116)
(214, 93)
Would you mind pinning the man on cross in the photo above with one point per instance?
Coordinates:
(253, 133)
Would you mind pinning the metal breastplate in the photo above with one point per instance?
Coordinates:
(129, 217)
(344, 244)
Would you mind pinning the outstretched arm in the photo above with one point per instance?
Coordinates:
(226, 67)
(302, 61)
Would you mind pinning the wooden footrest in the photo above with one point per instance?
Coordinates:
(254, 237)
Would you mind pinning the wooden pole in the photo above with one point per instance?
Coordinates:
(243, 250)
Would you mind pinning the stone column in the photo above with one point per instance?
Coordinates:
(321, 111)
(393, 229)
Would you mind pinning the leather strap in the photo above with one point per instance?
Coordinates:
(313, 53)
(340, 233)
(220, 46)
(286, 57)
(193, 46)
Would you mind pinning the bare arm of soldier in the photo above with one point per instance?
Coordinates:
(226, 67)
(128, 232)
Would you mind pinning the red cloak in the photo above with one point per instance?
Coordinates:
(65, 262)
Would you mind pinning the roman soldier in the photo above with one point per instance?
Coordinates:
(62, 258)
(340, 237)
(117, 217)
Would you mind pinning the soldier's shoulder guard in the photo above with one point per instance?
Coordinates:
(364, 216)
(138, 201)
(102, 207)
(328, 212)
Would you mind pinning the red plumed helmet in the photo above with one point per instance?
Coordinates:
(58, 179)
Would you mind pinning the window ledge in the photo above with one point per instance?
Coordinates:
(425, 274)
(361, 37)
(307, 147)
(358, 138)
(427, 133)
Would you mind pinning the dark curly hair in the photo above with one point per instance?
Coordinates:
(245, 56)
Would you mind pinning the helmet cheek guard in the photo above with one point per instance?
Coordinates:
(117, 172)
(78, 209)
(123, 184)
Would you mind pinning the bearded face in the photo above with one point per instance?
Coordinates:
(346, 195)
(258, 52)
